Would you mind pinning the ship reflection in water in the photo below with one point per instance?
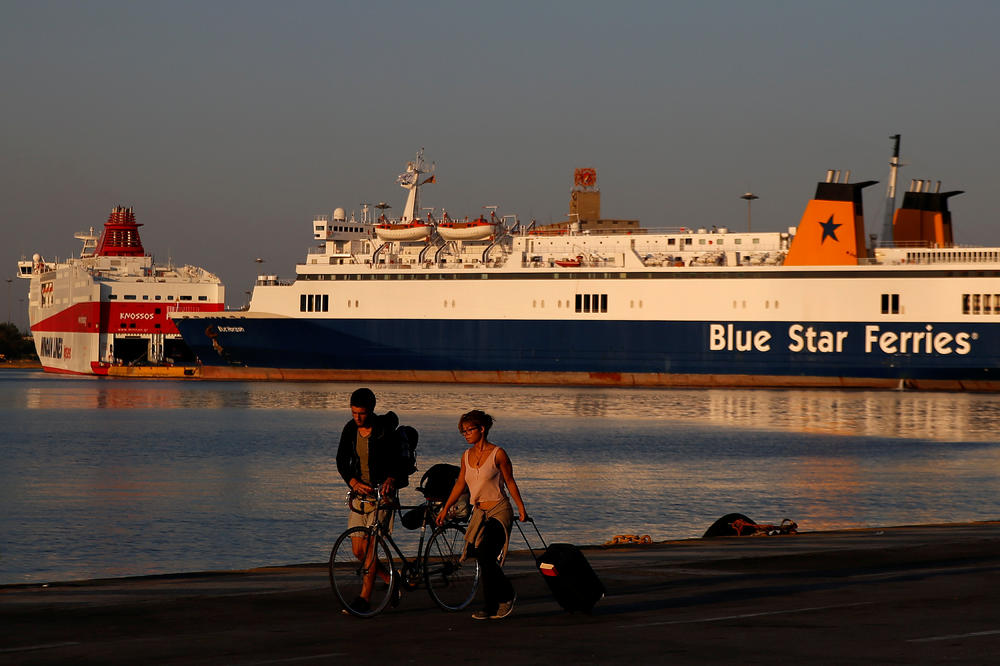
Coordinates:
(949, 416)
(110, 478)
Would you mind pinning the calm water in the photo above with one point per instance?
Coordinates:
(111, 478)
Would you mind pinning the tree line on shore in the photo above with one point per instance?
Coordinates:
(15, 345)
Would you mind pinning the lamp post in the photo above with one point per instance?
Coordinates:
(9, 282)
(749, 196)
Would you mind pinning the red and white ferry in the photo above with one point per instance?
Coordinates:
(107, 309)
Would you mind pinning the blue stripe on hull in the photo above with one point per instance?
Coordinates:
(700, 348)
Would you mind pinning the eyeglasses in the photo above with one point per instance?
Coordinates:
(466, 431)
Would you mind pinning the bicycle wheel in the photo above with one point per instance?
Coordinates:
(348, 573)
(450, 582)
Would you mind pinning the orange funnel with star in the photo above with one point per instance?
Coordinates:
(832, 229)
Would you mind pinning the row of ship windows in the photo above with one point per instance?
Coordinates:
(145, 297)
(971, 303)
(354, 230)
(980, 303)
(314, 302)
(583, 302)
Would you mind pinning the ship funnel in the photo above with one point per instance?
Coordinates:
(924, 219)
(832, 229)
(120, 237)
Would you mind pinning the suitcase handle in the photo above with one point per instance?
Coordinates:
(525, 537)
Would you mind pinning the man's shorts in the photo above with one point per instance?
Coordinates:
(366, 518)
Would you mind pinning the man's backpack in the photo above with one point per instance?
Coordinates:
(407, 437)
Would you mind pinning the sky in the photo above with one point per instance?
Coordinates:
(229, 125)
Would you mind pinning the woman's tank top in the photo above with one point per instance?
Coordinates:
(485, 482)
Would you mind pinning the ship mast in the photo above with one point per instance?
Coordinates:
(410, 180)
(890, 195)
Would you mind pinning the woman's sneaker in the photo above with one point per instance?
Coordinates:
(505, 609)
(481, 615)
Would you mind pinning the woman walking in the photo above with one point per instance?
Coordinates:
(488, 474)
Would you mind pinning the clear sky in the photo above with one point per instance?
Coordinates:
(228, 125)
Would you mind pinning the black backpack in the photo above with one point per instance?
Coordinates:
(437, 482)
(407, 437)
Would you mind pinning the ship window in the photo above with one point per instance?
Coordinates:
(976, 300)
(185, 298)
(755, 241)
(203, 298)
(131, 325)
(145, 297)
(604, 302)
(326, 302)
(579, 302)
(586, 302)
(302, 303)
(129, 297)
(701, 241)
(737, 241)
(157, 311)
(687, 241)
(156, 325)
(309, 303)
(965, 303)
(987, 303)
(112, 297)
(671, 241)
(890, 303)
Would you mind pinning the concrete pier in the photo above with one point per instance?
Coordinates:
(921, 594)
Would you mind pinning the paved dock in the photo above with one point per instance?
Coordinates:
(921, 594)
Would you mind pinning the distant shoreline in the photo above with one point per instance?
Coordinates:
(20, 364)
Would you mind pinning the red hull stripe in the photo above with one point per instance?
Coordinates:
(137, 318)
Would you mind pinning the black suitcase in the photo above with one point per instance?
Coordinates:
(570, 578)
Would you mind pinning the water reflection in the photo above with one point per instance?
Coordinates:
(105, 478)
(934, 416)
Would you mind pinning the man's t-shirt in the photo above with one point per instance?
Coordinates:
(361, 447)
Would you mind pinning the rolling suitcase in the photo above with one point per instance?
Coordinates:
(570, 578)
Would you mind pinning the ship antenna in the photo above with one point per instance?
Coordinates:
(890, 195)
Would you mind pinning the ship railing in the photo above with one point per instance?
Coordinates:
(184, 307)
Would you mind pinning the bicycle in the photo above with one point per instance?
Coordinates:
(450, 582)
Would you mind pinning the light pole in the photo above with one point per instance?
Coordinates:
(749, 196)
(9, 282)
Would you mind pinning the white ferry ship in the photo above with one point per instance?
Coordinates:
(592, 301)
(105, 312)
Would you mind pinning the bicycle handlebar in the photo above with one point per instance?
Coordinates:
(376, 497)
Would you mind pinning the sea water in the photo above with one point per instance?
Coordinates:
(103, 478)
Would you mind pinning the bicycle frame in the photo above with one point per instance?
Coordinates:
(410, 569)
(438, 561)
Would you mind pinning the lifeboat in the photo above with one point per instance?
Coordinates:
(571, 263)
(479, 229)
(413, 231)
